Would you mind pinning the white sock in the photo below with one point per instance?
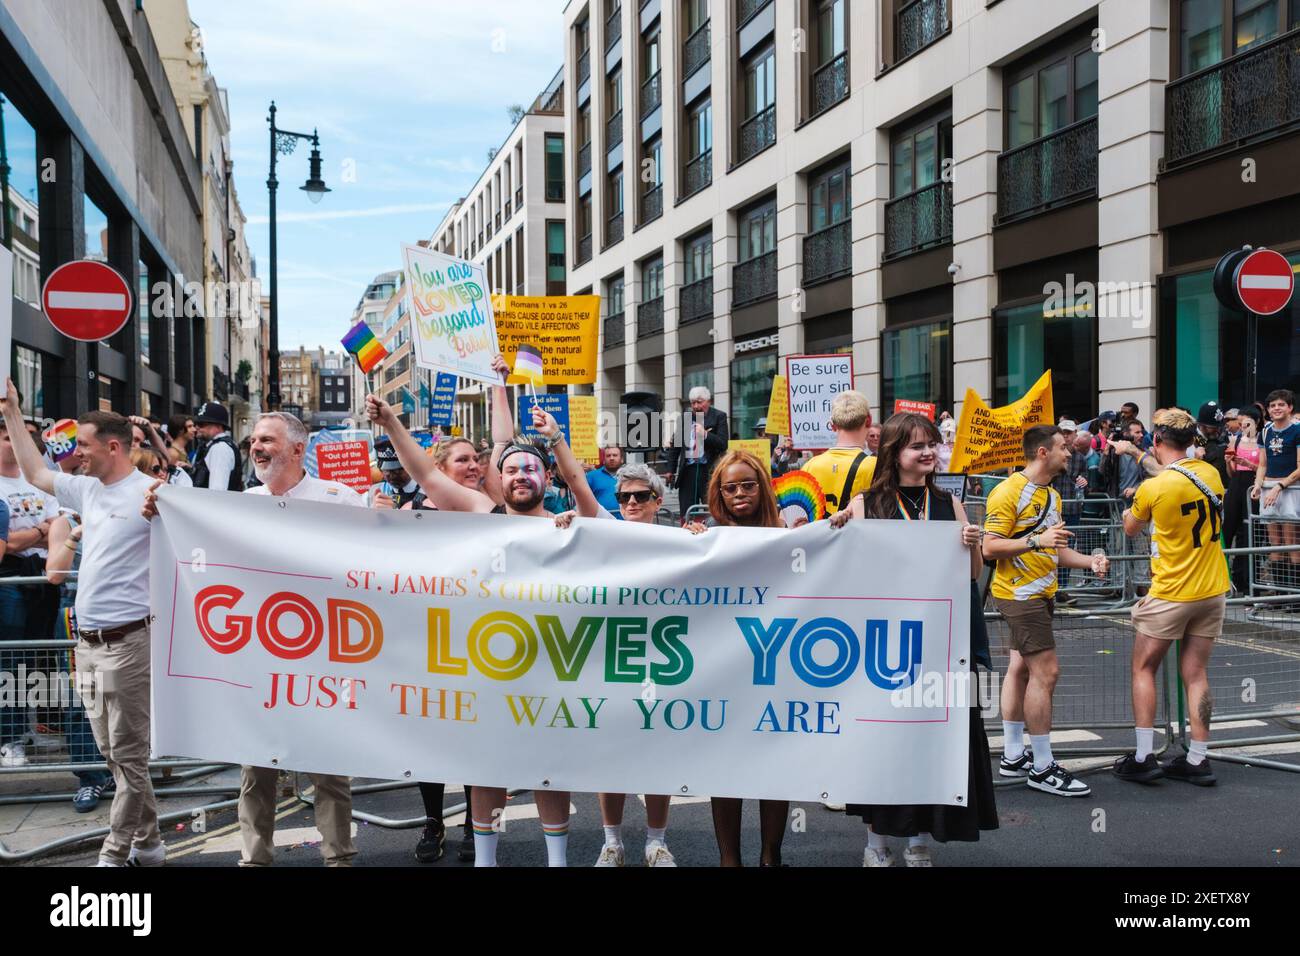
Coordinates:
(485, 844)
(921, 839)
(614, 835)
(874, 840)
(557, 843)
(1013, 739)
(1199, 750)
(655, 835)
(1042, 744)
(1145, 739)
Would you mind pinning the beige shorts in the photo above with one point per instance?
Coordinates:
(1030, 623)
(1174, 620)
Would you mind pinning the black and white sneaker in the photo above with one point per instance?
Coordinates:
(1199, 774)
(1129, 767)
(1056, 779)
(1022, 766)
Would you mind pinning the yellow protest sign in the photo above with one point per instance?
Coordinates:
(778, 408)
(990, 438)
(456, 431)
(563, 328)
(760, 448)
(582, 428)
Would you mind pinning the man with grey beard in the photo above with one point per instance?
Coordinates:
(278, 446)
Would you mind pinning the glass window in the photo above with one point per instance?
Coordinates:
(584, 126)
(699, 130)
(652, 279)
(1020, 112)
(30, 381)
(1254, 22)
(654, 153)
(96, 231)
(903, 165)
(830, 30)
(614, 200)
(751, 391)
(917, 365)
(757, 231)
(584, 217)
(554, 251)
(1053, 101)
(1085, 85)
(614, 93)
(699, 258)
(22, 213)
(554, 167)
(760, 83)
(918, 156)
(696, 13)
(829, 198)
(650, 58)
(1027, 343)
(697, 370)
(142, 309)
(614, 296)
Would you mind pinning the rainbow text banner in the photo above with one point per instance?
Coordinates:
(451, 314)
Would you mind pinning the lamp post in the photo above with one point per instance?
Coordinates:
(286, 141)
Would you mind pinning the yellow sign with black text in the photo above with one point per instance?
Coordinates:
(989, 439)
(563, 328)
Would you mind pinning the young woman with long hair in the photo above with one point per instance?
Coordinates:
(904, 489)
(1242, 458)
(740, 495)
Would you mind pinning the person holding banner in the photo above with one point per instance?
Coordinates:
(639, 492)
(845, 471)
(278, 447)
(522, 478)
(740, 495)
(904, 489)
(1025, 535)
(1187, 600)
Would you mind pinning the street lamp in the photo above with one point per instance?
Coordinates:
(286, 141)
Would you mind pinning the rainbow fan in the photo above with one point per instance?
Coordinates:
(800, 489)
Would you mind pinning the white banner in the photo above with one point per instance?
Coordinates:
(811, 664)
(451, 314)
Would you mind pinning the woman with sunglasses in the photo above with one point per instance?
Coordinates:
(149, 462)
(740, 495)
(640, 494)
(904, 489)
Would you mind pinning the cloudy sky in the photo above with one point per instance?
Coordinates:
(408, 96)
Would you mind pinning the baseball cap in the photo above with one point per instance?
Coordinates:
(1067, 425)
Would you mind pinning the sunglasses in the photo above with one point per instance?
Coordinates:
(158, 470)
(732, 488)
(640, 497)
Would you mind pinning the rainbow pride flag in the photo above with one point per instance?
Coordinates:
(61, 439)
(799, 489)
(364, 347)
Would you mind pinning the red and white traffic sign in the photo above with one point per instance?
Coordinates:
(86, 300)
(1265, 281)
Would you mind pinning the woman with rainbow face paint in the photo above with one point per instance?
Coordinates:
(519, 474)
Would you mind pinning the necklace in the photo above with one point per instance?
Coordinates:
(922, 506)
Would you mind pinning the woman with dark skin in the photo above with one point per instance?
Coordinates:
(740, 495)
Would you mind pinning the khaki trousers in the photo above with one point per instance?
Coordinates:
(257, 798)
(114, 684)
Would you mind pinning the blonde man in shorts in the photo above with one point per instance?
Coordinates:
(1189, 583)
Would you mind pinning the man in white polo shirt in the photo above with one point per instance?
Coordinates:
(279, 444)
(112, 614)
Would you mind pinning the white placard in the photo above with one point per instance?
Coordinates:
(451, 314)
(813, 381)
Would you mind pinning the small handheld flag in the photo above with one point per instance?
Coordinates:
(528, 366)
(61, 439)
(364, 347)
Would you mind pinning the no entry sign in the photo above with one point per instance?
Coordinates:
(1264, 282)
(86, 300)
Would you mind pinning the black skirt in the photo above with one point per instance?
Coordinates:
(944, 823)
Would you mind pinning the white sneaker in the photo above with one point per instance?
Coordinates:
(1058, 781)
(872, 857)
(611, 854)
(155, 857)
(917, 856)
(13, 755)
(834, 807)
(656, 854)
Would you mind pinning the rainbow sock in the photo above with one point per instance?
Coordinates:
(557, 843)
(485, 844)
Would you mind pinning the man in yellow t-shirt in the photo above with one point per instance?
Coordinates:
(1187, 600)
(1024, 533)
(846, 470)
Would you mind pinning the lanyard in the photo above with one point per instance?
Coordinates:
(923, 511)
